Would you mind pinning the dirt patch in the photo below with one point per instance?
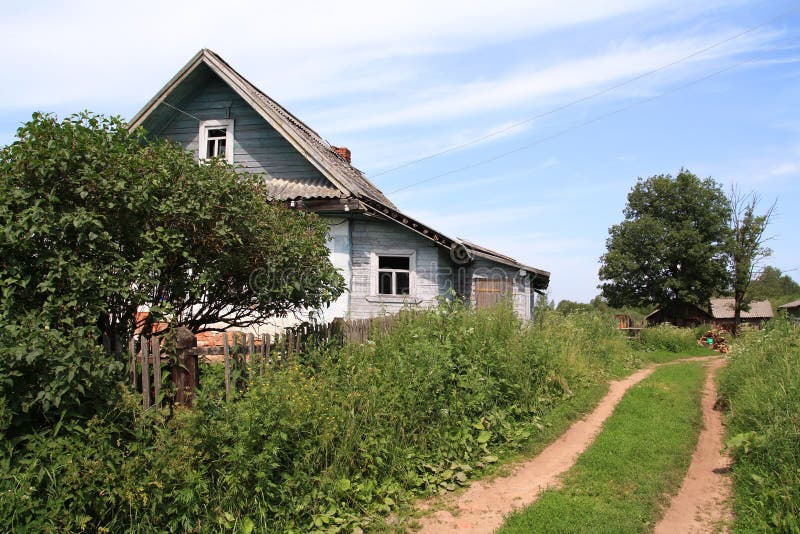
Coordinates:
(703, 503)
(483, 506)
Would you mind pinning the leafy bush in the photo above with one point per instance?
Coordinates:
(667, 337)
(762, 387)
(327, 446)
(97, 220)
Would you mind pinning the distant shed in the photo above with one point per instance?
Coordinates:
(679, 314)
(722, 309)
(792, 309)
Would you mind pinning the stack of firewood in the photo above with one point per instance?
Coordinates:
(715, 339)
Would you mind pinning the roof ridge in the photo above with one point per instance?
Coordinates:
(365, 187)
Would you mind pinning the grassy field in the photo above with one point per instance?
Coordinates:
(619, 484)
(761, 385)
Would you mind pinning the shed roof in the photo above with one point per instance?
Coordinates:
(790, 305)
(677, 308)
(722, 308)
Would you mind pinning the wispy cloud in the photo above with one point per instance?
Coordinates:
(530, 87)
(259, 36)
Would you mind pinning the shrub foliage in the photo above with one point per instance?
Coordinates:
(329, 444)
(96, 220)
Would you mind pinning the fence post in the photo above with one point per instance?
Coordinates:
(264, 352)
(226, 351)
(145, 356)
(156, 368)
(185, 370)
(251, 348)
(132, 352)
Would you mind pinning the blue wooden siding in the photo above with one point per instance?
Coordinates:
(258, 147)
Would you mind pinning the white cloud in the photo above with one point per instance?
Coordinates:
(530, 87)
(87, 51)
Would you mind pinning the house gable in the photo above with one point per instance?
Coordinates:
(349, 181)
(257, 146)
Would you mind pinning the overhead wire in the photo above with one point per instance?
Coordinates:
(581, 124)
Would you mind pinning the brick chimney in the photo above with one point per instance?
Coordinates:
(343, 152)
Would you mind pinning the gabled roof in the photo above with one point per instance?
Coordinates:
(676, 307)
(350, 181)
(790, 305)
(722, 308)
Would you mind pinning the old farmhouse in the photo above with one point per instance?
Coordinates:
(390, 260)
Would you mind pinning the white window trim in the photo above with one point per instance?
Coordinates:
(412, 274)
(205, 126)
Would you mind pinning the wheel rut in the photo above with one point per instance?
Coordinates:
(482, 507)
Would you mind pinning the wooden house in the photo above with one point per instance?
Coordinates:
(792, 309)
(722, 312)
(679, 314)
(389, 259)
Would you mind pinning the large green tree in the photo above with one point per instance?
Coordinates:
(97, 221)
(671, 246)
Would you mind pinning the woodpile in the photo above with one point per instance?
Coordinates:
(715, 339)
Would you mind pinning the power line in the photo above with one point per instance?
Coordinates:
(579, 125)
(587, 97)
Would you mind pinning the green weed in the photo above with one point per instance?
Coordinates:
(761, 385)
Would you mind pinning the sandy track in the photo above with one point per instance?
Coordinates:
(703, 503)
(483, 506)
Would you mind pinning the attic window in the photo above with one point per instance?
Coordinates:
(216, 139)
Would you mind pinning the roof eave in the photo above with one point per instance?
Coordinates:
(393, 214)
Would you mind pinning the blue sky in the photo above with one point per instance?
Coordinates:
(398, 82)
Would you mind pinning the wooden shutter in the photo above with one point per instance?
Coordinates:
(490, 292)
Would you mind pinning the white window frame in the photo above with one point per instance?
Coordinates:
(412, 273)
(205, 126)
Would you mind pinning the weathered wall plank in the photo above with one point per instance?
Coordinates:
(258, 147)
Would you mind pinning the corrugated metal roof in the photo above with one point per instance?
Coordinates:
(722, 308)
(793, 304)
(280, 189)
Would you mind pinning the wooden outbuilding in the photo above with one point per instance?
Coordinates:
(722, 311)
(792, 309)
(679, 314)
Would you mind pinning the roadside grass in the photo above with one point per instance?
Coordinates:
(619, 484)
(761, 385)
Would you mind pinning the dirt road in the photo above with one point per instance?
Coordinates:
(703, 502)
(483, 506)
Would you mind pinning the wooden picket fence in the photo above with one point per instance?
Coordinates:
(243, 354)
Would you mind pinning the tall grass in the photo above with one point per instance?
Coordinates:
(762, 386)
(667, 338)
(329, 444)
